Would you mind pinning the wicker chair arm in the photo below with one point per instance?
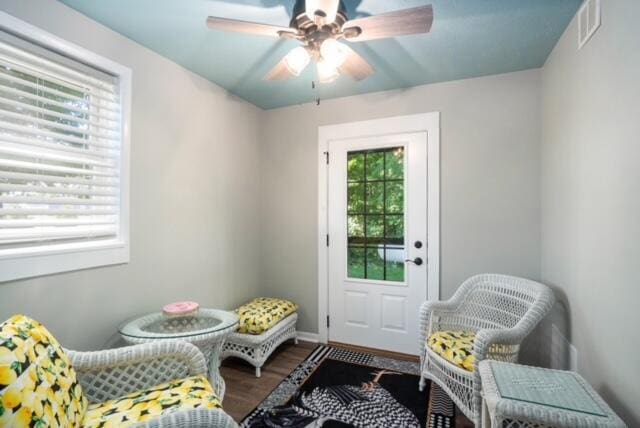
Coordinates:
(427, 310)
(487, 337)
(112, 373)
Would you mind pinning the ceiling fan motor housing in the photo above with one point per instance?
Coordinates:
(313, 33)
(300, 8)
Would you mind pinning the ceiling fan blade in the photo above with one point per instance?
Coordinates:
(224, 24)
(279, 72)
(399, 23)
(328, 7)
(356, 66)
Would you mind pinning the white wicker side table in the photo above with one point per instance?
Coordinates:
(207, 329)
(534, 397)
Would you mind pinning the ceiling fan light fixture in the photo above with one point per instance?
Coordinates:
(297, 60)
(334, 52)
(327, 72)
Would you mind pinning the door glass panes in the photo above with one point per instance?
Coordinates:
(375, 214)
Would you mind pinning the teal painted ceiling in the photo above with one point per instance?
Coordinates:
(469, 38)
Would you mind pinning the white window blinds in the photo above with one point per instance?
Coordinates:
(60, 150)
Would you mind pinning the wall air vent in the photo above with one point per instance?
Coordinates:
(588, 21)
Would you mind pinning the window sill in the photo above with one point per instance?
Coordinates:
(38, 261)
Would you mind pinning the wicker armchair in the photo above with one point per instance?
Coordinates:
(109, 374)
(501, 310)
(159, 384)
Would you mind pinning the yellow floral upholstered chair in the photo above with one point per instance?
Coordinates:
(153, 385)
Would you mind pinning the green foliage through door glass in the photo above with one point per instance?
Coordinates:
(356, 198)
(375, 214)
(355, 166)
(375, 166)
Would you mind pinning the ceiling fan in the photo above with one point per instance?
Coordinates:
(321, 26)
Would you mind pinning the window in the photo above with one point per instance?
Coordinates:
(63, 155)
(375, 214)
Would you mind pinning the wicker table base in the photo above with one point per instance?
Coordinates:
(208, 330)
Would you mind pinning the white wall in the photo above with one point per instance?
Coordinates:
(591, 198)
(193, 228)
(490, 212)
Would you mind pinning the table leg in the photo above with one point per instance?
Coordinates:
(212, 353)
(486, 418)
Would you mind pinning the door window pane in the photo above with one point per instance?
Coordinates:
(375, 214)
(356, 198)
(375, 262)
(375, 198)
(355, 166)
(356, 262)
(394, 202)
(394, 263)
(355, 226)
(375, 165)
(395, 164)
(395, 228)
(375, 226)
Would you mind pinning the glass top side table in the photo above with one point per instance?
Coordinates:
(207, 329)
(523, 396)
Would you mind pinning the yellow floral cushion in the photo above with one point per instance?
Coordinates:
(454, 346)
(262, 313)
(184, 394)
(38, 386)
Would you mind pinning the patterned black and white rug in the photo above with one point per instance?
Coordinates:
(339, 388)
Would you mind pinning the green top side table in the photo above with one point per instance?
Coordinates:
(524, 396)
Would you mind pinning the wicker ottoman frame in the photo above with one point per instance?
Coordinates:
(256, 348)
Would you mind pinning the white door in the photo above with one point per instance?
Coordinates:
(377, 206)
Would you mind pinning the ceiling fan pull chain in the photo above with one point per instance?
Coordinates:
(315, 87)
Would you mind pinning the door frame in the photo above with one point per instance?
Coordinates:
(426, 122)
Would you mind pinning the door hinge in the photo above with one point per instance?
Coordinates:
(328, 321)
(326, 154)
(327, 239)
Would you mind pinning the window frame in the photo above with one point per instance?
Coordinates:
(56, 258)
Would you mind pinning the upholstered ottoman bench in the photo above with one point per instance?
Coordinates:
(265, 323)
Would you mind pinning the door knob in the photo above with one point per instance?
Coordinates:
(417, 261)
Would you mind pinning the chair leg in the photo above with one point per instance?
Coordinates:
(258, 372)
(423, 383)
(295, 340)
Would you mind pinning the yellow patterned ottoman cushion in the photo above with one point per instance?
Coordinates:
(262, 313)
(454, 346)
(38, 386)
(184, 394)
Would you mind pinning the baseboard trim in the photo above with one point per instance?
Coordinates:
(309, 337)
